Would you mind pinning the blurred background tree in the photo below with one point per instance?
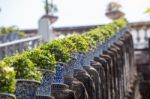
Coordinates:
(50, 8)
(147, 10)
(113, 11)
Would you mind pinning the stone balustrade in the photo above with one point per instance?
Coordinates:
(18, 46)
(108, 72)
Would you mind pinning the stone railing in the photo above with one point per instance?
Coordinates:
(108, 72)
(18, 46)
(140, 33)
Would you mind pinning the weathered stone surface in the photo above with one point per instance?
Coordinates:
(100, 70)
(106, 78)
(117, 70)
(119, 45)
(77, 86)
(62, 91)
(95, 77)
(111, 74)
(85, 78)
(114, 73)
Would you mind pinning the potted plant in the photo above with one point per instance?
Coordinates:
(7, 81)
(70, 46)
(113, 11)
(58, 50)
(46, 64)
(27, 76)
(50, 9)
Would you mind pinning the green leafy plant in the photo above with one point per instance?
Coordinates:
(48, 54)
(42, 59)
(80, 43)
(68, 44)
(7, 78)
(147, 10)
(94, 35)
(58, 50)
(8, 30)
(91, 41)
(50, 8)
(24, 67)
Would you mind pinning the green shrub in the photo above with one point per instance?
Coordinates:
(58, 50)
(42, 59)
(7, 78)
(95, 36)
(68, 44)
(80, 43)
(8, 30)
(24, 68)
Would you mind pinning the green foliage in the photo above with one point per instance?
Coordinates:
(46, 56)
(7, 78)
(8, 30)
(42, 59)
(147, 10)
(24, 68)
(68, 44)
(95, 35)
(80, 43)
(91, 41)
(60, 52)
(121, 23)
(50, 8)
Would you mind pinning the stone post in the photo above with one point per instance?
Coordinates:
(45, 30)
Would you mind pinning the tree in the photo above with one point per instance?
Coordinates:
(113, 6)
(50, 8)
(113, 11)
(147, 10)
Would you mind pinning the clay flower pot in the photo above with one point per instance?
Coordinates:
(6, 96)
(26, 89)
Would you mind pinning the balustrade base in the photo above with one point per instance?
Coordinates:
(62, 91)
(86, 79)
(95, 77)
(77, 86)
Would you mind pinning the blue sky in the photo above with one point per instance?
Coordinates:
(26, 13)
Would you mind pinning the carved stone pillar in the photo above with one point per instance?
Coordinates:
(111, 74)
(77, 86)
(101, 72)
(61, 91)
(85, 78)
(95, 77)
(106, 78)
(119, 45)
